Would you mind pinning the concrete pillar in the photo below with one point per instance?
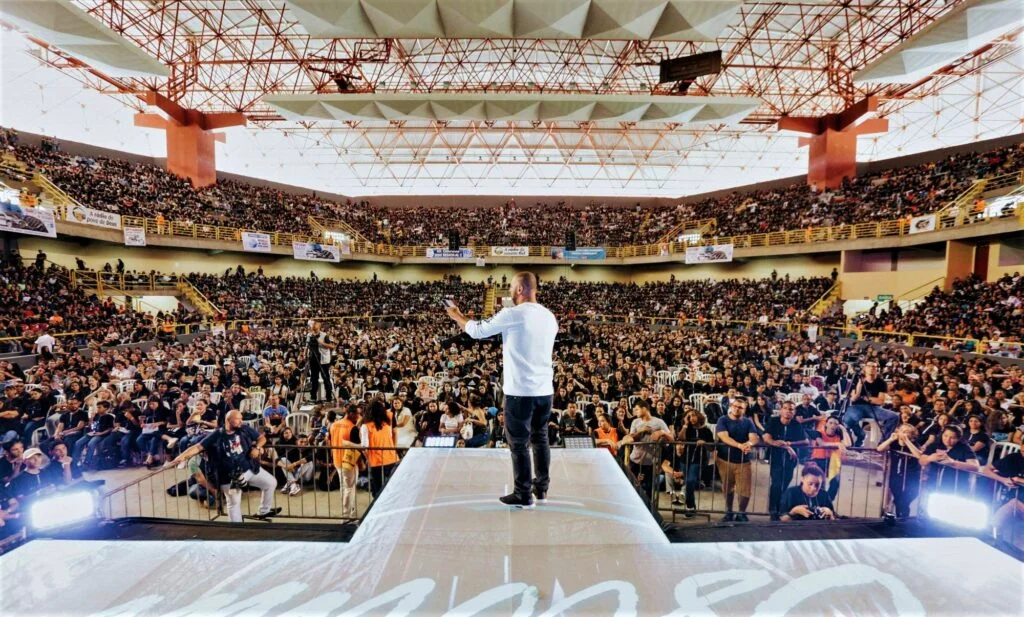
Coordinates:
(959, 261)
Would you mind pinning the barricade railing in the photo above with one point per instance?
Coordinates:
(910, 484)
(855, 483)
(330, 489)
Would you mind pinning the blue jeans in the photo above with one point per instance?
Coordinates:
(526, 425)
(887, 420)
(198, 492)
(127, 441)
(780, 477)
(478, 440)
(93, 446)
(691, 476)
(150, 443)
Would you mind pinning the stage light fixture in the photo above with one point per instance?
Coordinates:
(958, 511)
(62, 510)
(439, 441)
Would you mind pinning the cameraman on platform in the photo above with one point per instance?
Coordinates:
(318, 361)
(234, 453)
(866, 402)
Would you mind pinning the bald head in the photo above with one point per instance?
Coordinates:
(524, 287)
(233, 419)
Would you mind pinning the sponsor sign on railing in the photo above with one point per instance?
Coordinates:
(441, 253)
(712, 253)
(25, 220)
(256, 242)
(88, 216)
(312, 251)
(586, 252)
(510, 251)
(134, 236)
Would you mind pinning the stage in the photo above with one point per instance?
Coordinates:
(438, 542)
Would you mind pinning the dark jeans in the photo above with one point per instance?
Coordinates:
(887, 421)
(526, 425)
(782, 468)
(904, 489)
(317, 372)
(379, 476)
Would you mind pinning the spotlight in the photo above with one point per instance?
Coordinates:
(958, 511)
(439, 441)
(62, 510)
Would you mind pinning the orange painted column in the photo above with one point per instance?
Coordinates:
(191, 140)
(831, 157)
(832, 141)
(191, 153)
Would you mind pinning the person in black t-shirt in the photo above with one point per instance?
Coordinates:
(950, 462)
(807, 501)
(867, 399)
(1009, 519)
(154, 422)
(782, 434)
(234, 452)
(684, 462)
(318, 361)
(101, 426)
(905, 468)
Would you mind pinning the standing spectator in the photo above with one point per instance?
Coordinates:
(378, 435)
(690, 458)
(646, 429)
(950, 462)
(904, 468)
(782, 434)
(829, 446)
(736, 437)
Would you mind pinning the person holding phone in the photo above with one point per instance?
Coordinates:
(528, 333)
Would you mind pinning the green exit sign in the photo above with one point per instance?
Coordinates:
(884, 297)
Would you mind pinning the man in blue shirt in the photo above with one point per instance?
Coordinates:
(736, 437)
(273, 415)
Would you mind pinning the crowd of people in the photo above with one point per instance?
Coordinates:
(37, 301)
(254, 295)
(138, 189)
(992, 312)
(412, 378)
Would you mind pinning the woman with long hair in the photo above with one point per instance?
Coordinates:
(379, 435)
(904, 468)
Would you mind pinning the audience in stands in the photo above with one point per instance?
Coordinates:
(137, 189)
(991, 312)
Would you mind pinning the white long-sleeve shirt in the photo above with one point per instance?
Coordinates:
(528, 341)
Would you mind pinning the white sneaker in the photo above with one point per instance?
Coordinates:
(171, 443)
(287, 487)
(296, 489)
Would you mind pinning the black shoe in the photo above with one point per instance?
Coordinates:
(516, 500)
(270, 513)
(775, 518)
(689, 512)
(729, 517)
(539, 495)
(741, 518)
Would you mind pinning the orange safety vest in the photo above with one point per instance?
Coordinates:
(168, 327)
(383, 438)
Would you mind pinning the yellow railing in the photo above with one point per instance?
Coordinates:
(324, 225)
(821, 304)
(689, 227)
(490, 297)
(197, 298)
(912, 294)
(113, 282)
(947, 217)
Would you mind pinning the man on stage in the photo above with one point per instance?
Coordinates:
(528, 335)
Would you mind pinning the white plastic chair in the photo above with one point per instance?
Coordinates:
(1003, 448)
(258, 400)
(298, 422)
(697, 400)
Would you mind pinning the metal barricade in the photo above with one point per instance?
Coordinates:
(855, 485)
(174, 493)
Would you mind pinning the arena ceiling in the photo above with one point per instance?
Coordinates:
(945, 72)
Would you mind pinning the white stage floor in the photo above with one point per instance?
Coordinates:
(437, 543)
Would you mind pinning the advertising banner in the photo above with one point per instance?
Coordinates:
(713, 253)
(24, 220)
(312, 251)
(88, 216)
(441, 253)
(663, 249)
(134, 236)
(510, 251)
(346, 247)
(586, 252)
(255, 242)
(921, 224)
